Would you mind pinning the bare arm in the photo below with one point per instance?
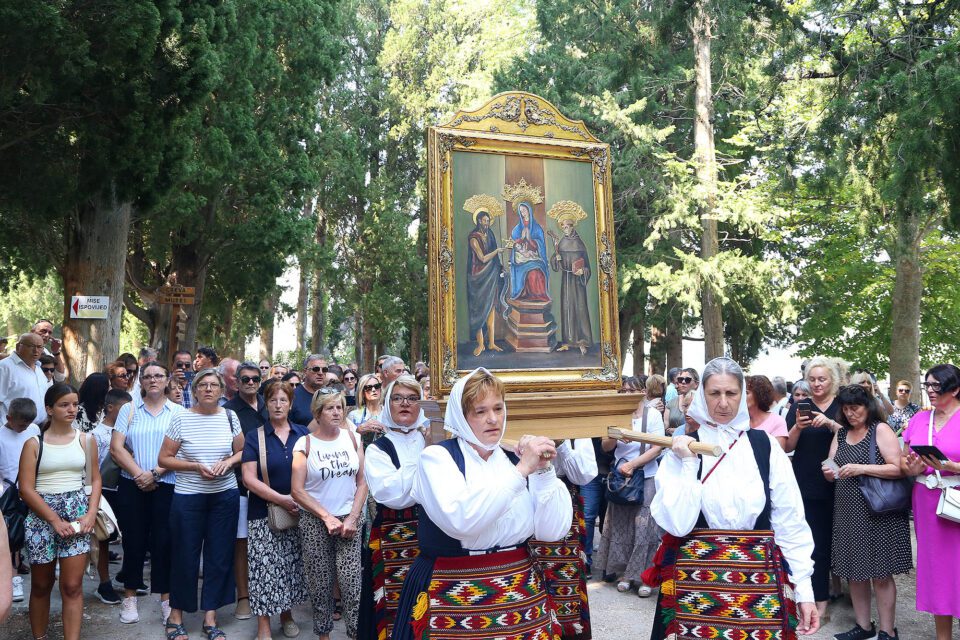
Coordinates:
(359, 501)
(889, 447)
(6, 573)
(255, 485)
(608, 444)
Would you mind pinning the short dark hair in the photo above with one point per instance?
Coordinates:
(116, 396)
(693, 374)
(278, 386)
(182, 352)
(128, 359)
(762, 390)
(211, 354)
(247, 366)
(56, 391)
(672, 373)
(857, 396)
(948, 375)
(290, 375)
(22, 409)
(47, 359)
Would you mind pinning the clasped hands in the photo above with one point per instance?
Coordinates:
(535, 453)
(222, 467)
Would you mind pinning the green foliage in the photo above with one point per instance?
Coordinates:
(25, 299)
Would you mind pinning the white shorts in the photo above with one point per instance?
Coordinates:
(242, 521)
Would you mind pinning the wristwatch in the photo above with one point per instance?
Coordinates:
(156, 475)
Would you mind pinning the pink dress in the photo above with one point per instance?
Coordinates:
(775, 425)
(938, 540)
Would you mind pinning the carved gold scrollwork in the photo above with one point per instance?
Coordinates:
(609, 372)
(447, 144)
(449, 370)
(600, 160)
(446, 258)
(606, 262)
(533, 113)
(508, 111)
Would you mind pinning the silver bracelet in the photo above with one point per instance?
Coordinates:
(546, 469)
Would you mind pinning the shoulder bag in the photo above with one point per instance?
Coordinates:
(884, 495)
(105, 526)
(623, 490)
(278, 518)
(110, 470)
(948, 507)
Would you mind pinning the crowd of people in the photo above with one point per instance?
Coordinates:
(262, 486)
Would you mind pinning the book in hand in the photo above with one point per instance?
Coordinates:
(578, 264)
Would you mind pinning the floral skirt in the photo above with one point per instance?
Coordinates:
(43, 543)
(277, 581)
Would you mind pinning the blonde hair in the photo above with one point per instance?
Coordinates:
(477, 387)
(322, 400)
(361, 394)
(859, 377)
(905, 384)
(656, 386)
(836, 369)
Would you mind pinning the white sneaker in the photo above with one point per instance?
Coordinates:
(644, 591)
(17, 589)
(164, 610)
(128, 611)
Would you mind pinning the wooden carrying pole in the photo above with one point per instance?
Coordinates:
(663, 441)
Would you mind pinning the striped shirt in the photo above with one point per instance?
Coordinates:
(145, 436)
(206, 439)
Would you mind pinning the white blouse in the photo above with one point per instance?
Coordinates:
(388, 485)
(492, 506)
(732, 498)
(577, 464)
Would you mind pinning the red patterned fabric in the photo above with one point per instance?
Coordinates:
(723, 584)
(563, 564)
(394, 547)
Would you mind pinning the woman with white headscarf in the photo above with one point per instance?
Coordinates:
(731, 521)
(390, 465)
(478, 508)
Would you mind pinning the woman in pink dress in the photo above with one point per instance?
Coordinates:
(759, 400)
(938, 540)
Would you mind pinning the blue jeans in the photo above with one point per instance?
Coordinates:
(204, 522)
(593, 499)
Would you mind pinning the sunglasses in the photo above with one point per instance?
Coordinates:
(903, 390)
(249, 379)
(48, 370)
(318, 369)
(181, 365)
(684, 380)
(373, 387)
(349, 379)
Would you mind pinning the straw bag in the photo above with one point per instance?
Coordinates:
(278, 518)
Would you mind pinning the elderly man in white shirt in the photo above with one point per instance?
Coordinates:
(22, 377)
(51, 347)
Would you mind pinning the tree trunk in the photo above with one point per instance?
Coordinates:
(368, 349)
(416, 341)
(637, 330)
(94, 264)
(905, 305)
(706, 168)
(189, 268)
(674, 343)
(658, 351)
(266, 325)
(317, 314)
(302, 295)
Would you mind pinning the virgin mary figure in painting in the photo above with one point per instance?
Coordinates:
(484, 271)
(571, 260)
(528, 263)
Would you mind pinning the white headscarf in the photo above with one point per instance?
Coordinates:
(456, 422)
(387, 418)
(698, 408)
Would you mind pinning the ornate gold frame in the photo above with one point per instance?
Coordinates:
(517, 123)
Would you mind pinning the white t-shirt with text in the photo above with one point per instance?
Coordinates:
(332, 468)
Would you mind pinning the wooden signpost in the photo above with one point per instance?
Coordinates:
(178, 296)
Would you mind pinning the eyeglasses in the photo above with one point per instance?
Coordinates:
(373, 387)
(249, 379)
(207, 386)
(153, 376)
(932, 386)
(684, 380)
(48, 369)
(37, 347)
(181, 365)
(405, 399)
(318, 369)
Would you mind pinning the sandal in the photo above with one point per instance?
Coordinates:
(174, 631)
(213, 632)
(337, 610)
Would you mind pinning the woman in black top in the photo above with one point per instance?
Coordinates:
(809, 439)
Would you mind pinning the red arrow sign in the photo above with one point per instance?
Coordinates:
(76, 306)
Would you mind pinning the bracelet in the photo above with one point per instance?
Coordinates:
(156, 475)
(546, 469)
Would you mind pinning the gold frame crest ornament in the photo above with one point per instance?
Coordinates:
(523, 125)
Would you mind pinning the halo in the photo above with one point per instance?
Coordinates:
(483, 203)
(567, 210)
(522, 192)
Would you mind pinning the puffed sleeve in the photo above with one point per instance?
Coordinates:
(677, 504)
(462, 508)
(578, 465)
(388, 485)
(790, 529)
(553, 507)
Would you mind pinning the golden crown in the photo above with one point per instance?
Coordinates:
(480, 203)
(522, 192)
(567, 210)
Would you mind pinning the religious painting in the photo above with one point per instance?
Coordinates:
(522, 275)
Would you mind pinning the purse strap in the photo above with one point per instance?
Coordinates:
(930, 442)
(873, 444)
(261, 436)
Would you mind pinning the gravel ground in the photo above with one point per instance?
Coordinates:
(615, 615)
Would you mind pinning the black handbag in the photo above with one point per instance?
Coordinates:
(623, 490)
(884, 495)
(14, 516)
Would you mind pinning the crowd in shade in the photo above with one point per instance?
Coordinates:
(258, 487)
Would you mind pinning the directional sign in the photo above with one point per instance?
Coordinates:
(89, 307)
(175, 294)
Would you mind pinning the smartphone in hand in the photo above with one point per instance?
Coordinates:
(804, 410)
